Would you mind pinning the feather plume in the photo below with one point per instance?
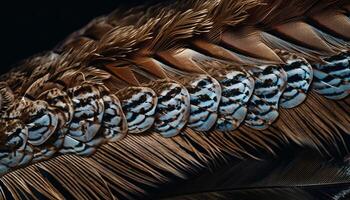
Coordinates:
(218, 99)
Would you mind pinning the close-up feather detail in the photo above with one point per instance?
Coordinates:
(332, 78)
(237, 89)
(204, 98)
(198, 99)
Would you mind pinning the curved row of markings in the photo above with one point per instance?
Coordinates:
(83, 117)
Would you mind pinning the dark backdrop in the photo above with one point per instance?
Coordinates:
(30, 27)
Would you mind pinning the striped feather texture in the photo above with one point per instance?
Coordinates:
(140, 102)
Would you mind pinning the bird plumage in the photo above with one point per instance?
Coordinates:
(139, 103)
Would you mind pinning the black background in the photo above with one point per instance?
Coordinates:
(30, 27)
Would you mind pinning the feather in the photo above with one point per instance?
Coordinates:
(205, 94)
(306, 176)
(299, 78)
(332, 78)
(332, 20)
(177, 26)
(139, 106)
(184, 100)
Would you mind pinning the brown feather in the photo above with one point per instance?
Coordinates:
(136, 47)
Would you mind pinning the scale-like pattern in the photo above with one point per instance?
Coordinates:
(299, 76)
(41, 123)
(173, 109)
(139, 106)
(205, 95)
(114, 123)
(88, 112)
(50, 147)
(60, 100)
(87, 115)
(71, 145)
(332, 79)
(79, 120)
(270, 82)
(144, 81)
(14, 141)
(237, 88)
(185, 71)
